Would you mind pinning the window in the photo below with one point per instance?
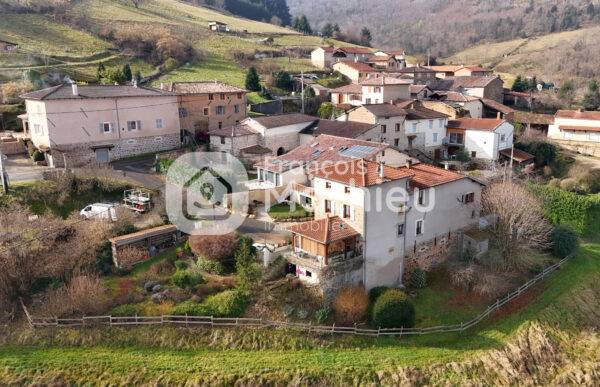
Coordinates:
(133, 125)
(220, 110)
(503, 138)
(419, 228)
(400, 229)
(473, 154)
(430, 124)
(106, 127)
(441, 125)
(222, 139)
(594, 136)
(383, 128)
(205, 111)
(211, 97)
(327, 185)
(368, 139)
(368, 101)
(236, 108)
(38, 129)
(567, 135)
(159, 123)
(421, 197)
(397, 127)
(182, 112)
(346, 189)
(346, 211)
(396, 142)
(456, 138)
(220, 125)
(328, 206)
(308, 274)
(468, 197)
(414, 127)
(222, 96)
(239, 95)
(435, 136)
(382, 153)
(377, 90)
(419, 140)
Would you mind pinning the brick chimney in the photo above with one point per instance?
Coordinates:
(408, 163)
(382, 170)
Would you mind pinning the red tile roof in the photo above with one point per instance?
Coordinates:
(358, 66)
(427, 176)
(382, 81)
(454, 68)
(355, 50)
(455, 96)
(353, 88)
(578, 115)
(468, 123)
(394, 52)
(519, 94)
(360, 173)
(518, 154)
(380, 58)
(201, 88)
(324, 230)
(348, 129)
(497, 106)
(580, 128)
(144, 234)
(256, 150)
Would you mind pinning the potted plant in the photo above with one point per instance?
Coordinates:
(179, 252)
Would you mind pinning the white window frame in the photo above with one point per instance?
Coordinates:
(414, 127)
(594, 136)
(159, 123)
(567, 135)
(37, 128)
(430, 124)
(131, 128)
(441, 123)
(110, 127)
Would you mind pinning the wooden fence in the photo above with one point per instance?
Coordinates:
(210, 321)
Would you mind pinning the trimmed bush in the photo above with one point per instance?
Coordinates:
(418, 279)
(37, 156)
(230, 303)
(125, 310)
(209, 266)
(393, 309)
(376, 292)
(180, 265)
(188, 278)
(564, 241)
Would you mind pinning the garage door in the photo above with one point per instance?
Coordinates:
(102, 155)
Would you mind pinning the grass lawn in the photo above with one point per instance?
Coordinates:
(284, 211)
(209, 69)
(331, 83)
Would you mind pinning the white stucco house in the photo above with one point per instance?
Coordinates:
(577, 130)
(483, 138)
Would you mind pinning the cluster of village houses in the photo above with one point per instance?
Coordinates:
(398, 123)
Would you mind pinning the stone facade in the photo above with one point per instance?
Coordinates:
(81, 154)
(429, 254)
(583, 147)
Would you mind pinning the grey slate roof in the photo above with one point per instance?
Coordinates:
(65, 91)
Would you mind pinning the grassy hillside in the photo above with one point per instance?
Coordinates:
(553, 58)
(545, 336)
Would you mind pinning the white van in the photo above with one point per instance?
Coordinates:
(100, 211)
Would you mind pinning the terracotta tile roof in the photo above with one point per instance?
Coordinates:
(403, 103)
(422, 113)
(519, 94)
(385, 110)
(256, 150)
(355, 50)
(201, 88)
(65, 91)
(518, 154)
(380, 58)
(578, 115)
(348, 129)
(276, 120)
(394, 52)
(454, 68)
(382, 81)
(497, 106)
(326, 49)
(468, 123)
(324, 230)
(455, 96)
(415, 69)
(312, 154)
(357, 66)
(353, 88)
(143, 234)
(233, 131)
(580, 128)
(427, 176)
(472, 81)
(360, 173)
(416, 88)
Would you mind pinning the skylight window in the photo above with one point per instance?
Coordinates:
(275, 161)
(287, 164)
(316, 153)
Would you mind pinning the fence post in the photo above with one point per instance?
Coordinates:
(309, 327)
(187, 325)
(212, 321)
(110, 321)
(333, 329)
(401, 329)
(378, 331)
(162, 319)
(55, 320)
(421, 331)
(136, 320)
(31, 326)
(461, 326)
(237, 322)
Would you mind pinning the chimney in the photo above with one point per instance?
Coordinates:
(447, 166)
(408, 163)
(391, 101)
(382, 170)
(74, 88)
(498, 116)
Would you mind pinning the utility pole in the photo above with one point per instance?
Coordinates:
(2, 177)
(302, 83)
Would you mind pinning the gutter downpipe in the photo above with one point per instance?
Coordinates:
(119, 129)
(405, 231)
(365, 242)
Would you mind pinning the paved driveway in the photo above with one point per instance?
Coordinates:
(20, 168)
(139, 171)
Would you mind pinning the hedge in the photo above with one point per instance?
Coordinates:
(393, 309)
(230, 303)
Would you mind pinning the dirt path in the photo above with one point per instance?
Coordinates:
(588, 161)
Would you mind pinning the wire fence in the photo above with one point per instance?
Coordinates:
(210, 321)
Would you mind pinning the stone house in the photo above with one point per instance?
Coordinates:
(577, 130)
(424, 131)
(218, 26)
(482, 138)
(356, 72)
(347, 95)
(206, 106)
(326, 57)
(379, 243)
(260, 136)
(400, 56)
(384, 89)
(76, 124)
(420, 75)
(475, 86)
(384, 63)
(459, 71)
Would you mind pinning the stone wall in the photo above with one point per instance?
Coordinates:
(429, 254)
(13, 147)
(584, 147)
(81, 154)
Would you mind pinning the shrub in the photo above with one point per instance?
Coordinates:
(37, 156)
(125, 310)
(186, 278)
(191, 308)
(214, 247)
(555, 183)
(569, 184)
(351, 304)
(564, 241)
(186, 247)
(209, 266)
(275, 270)
(418, 279)
(287, 310)
(162, 267)
(180, 265)
(376, 292)
(323, 314)
(393, 310)
(171, 64)
(230, 303)
(587, 182)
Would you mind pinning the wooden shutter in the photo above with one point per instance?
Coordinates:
(101, 127)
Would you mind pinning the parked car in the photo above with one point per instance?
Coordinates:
(100, 211)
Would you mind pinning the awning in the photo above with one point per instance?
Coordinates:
(102, 146)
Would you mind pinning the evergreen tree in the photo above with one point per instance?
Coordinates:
(283, 80)
(304, 25)
(127, 72)
(591, 100)
(365, 37)
(252, 80)
(100, 71)
(519, 84)
(137, 76)
(327, 30)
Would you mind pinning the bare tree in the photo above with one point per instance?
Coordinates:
(520, 227)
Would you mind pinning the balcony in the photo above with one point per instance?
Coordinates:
(447, 142)
(306, 258)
